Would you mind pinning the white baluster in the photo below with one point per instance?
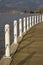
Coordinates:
(15, 31)
(35, 20)
(27, 23)
(24, 24)
(42, 17)
(39, 19)
(20, 27)
(7, 41)
(30, 22)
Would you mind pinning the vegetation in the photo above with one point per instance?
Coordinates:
(34, 11)
(25, 11)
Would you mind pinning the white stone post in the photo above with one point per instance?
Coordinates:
(7, 41)
(27, 23)
(15, 31)
(24, 24)
(39, 19)
(20, 27)
(30, 22)
(42, 17)
(35, 20)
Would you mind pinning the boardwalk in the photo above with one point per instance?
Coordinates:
(30, 50)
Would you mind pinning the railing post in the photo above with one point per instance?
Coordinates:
(39, 19)
(42, 17)
(33, 22)
(20, 27)
(7, 41)
(27, 23)
(24, 24)
(30, 22)
(15, 31)
(35, 19)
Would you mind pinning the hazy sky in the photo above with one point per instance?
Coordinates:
(23, 4)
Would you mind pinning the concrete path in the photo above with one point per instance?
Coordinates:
(5, 60)
(30, 51)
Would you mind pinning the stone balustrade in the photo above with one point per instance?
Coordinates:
(27, 22)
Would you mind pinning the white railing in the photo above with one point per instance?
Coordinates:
(27, 24)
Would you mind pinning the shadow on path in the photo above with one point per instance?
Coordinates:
(21, 48)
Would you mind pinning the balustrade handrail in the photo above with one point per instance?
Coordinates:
(27, 24)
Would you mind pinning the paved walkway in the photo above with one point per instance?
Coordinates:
(30, 51)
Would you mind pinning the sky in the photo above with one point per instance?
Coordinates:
(21, 4)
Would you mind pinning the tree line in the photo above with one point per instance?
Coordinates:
(34, 11)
